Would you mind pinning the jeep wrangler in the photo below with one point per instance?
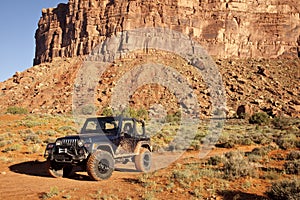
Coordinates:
(102, 142)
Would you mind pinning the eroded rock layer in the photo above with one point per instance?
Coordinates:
(226, 28)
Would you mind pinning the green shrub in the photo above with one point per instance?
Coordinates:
(31, 121)
(285, 190)
(293, 155)
(107, 111)
(14, 147)
(88, 110)
(262, 151)
(214, 160)
(3, 143)
(39, 132)
(236, 166)
(34, 148)
(174, 118)
(271, 175)
(280, 123)
(292, 167)
(52, 193)
(16, 110)
(288, 141)
(32, 138)
(51, 132)
(259, 118)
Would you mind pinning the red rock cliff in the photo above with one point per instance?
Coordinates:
(226, 28)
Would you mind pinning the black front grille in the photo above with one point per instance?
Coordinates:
(69, 142)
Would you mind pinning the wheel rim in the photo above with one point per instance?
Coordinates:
(103, 166)
(146, 160)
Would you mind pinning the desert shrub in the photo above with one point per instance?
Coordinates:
(67, 130)
(262, 151)
(184, 177)
(39, 132)
(49, 140)
(246, 141)
(226, 141)
(3, 143)
(236, 165)
(292, 167)
(139, 113)
(87, 109)
(34, 148)
(174, 118)
(214, 160)
(32, 138)
(16, 110)
(107, 111)
(14, 147)
(271, 175)
(30, 123)
(2, 137)
(253, 158)
(259, 118)
(52, 193)
(285, 190)
(293, 155)
(287, 141)
(280, 123)
(51, 132)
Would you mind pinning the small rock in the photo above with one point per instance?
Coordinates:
(263, 71)
(243, 111)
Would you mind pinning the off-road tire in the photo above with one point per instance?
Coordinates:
(143, 160)
(100, 165)
(53, 169)
(67, 171)
(57, 171)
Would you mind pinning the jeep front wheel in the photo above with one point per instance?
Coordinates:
(58, 171)
(54, 170)
(100, 165)
(143, 160)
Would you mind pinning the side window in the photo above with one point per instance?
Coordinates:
(128, 127)
(139, 129)
(91, 126)
(111, 125)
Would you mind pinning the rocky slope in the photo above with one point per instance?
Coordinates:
(226, 28)
(270, 85)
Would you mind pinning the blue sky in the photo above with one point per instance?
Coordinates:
(18, 23)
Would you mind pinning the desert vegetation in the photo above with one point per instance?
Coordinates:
(253, 158)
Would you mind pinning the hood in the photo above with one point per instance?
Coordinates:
(90, 137)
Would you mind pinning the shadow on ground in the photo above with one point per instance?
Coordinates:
(238, 195)
(32, 168)
(38, 168)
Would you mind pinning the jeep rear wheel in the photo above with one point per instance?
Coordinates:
(143, 160)
(100, 165)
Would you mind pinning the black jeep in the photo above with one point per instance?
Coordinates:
(101, 142)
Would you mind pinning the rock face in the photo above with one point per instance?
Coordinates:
(226, 28)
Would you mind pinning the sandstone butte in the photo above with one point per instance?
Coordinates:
(255, 43)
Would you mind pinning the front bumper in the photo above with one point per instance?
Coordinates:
(66, 155)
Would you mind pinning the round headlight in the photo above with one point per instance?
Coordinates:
(80, 143)
(58, 143)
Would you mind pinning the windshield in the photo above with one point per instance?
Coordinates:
(104, 126)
